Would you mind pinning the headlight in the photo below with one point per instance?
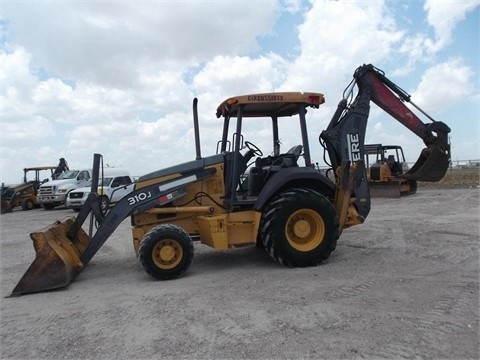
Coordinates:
(62, 191)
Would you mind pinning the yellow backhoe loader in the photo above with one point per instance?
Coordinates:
(239, 196)
(24, 194)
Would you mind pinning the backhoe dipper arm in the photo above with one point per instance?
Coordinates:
(389, 97)
(344, 137)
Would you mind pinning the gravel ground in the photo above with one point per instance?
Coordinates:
(403, 285)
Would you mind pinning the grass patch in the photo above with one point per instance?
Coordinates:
(456, 178)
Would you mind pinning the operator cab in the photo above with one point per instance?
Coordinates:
(247, 172)
(389, 161)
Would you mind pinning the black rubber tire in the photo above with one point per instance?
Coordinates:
(27, 204)
(176, 246)
(299, 227)
(48, 206)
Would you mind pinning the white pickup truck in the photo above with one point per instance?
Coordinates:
(54, 193)
(115, 184)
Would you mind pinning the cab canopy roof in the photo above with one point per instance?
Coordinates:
(372, 149)
(274, 104)
(40, 168)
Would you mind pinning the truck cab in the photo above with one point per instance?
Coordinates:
(54, 193)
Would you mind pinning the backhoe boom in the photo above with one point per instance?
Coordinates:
(344, 138)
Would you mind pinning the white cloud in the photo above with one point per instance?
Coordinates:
(338, 36)
(119, 79)
(343, 31)
(17, 82)
(444, 85)
(228, 76)
(443, 16)
(107, 42)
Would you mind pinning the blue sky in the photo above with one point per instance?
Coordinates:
(118, 78)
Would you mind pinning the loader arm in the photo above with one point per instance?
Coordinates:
(344, 138)
(63, 249)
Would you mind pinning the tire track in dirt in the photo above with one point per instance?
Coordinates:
(348, 290)
(453, 315)
(396, 351)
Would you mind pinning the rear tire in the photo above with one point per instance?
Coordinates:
(166, 251)
(299, 228)
(27, 204)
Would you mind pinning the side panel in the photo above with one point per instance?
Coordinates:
(224, 231)
(207, 193)
(163, 174)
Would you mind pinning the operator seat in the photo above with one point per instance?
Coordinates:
(283, 160)
(394, 166)
(290, 158)
(267, 167)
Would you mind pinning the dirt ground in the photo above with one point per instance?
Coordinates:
(403, 285)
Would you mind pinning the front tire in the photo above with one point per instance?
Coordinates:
(166, 251)
(299, 228)
(27, 204)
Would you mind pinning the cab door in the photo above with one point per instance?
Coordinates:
(83, 178)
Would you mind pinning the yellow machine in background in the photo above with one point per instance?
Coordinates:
(24, 194)
(385, 167)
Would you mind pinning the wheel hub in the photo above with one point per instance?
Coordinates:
(305, 230)
(301, 229)
(167, 253)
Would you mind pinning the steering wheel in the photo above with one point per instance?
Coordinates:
(253, 148)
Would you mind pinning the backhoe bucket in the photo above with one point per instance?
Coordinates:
(431, 166)
(57, 259)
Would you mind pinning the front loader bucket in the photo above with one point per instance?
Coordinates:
(57, 260)
(431, 166)
(5, 207)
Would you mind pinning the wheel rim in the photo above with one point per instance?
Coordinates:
(167, 254)
(305, 230)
